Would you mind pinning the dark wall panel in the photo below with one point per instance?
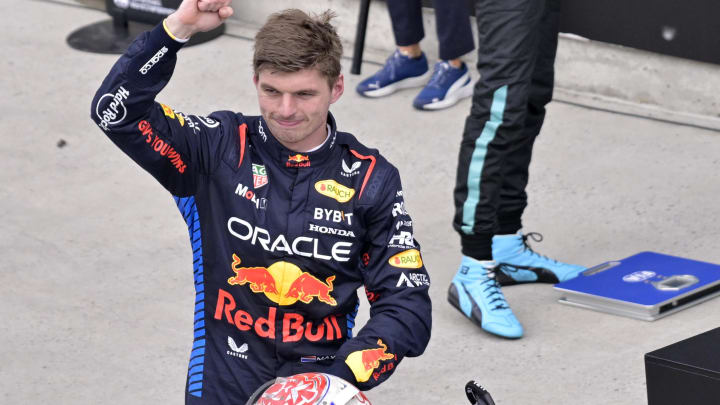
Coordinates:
(688, 28)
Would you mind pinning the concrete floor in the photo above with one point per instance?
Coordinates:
(96, 281)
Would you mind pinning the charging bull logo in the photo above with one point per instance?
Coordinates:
(283, 283)
(259, 278)
(298, 160)
(363, 362)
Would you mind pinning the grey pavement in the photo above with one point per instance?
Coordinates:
(96, 277)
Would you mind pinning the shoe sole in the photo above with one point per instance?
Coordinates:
(476, 314)
(410, 82)
(543, 276)
(453, 96)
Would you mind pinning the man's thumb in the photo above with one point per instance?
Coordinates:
(225, 12)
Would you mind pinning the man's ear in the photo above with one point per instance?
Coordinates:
(255, 79)
(337, 89)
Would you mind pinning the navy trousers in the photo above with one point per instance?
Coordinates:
(452, 19)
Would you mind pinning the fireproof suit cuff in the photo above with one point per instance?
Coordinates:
(170, 34)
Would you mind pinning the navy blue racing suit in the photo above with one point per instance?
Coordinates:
(281, 240)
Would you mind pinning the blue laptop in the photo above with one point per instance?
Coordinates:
(645, 286)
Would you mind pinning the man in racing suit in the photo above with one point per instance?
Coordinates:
(287, 216)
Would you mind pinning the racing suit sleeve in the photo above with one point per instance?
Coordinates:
(397, 285)
(173, 147)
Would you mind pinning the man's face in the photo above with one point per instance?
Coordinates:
(295, 105)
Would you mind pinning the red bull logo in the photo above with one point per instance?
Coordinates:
(294, 326)
(306, 287)
(363, 362)
(298, 160)
(283, 283)
(258, 278)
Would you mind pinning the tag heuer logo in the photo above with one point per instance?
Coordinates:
(260, 177)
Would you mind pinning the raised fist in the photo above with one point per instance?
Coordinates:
(198, 16)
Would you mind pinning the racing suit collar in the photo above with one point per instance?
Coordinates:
(293, 159)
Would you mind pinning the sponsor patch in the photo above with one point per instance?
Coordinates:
(260, 177)
(298, 160)
(402, 240)
(244, 191)
(413, 280)
(330, 230)
(235, 350)
(409, 259)
(294, 327)
(160, 146)
(302, 245)
(207, 121)
(283, 283)
(350, 171)
(334, 190)
(110, 108)
(399, 209)
(333, 215)
(261, 130)
(152, 61)
(364, 362)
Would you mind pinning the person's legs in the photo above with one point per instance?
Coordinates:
(406, 19)
(451, 80)
(407, 67)
(510, 247)
(507, 45)
(515, 175)
(452, 24)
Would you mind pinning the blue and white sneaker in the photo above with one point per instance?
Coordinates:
(447, 86)
(475, 292)
(520, 264)
(399, 72)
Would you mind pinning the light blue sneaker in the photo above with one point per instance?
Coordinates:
(475, 292)
(520, 264)
(399, 72)
(447, 86)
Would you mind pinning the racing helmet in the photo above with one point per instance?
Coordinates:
(308, 389)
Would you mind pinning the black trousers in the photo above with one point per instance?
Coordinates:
(517, 41)
(452, 20)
